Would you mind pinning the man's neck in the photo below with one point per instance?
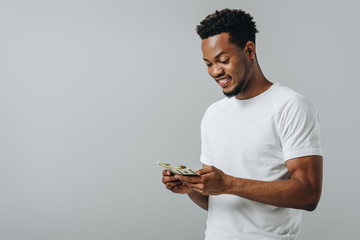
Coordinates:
(257, 85)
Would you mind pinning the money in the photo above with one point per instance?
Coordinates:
(177, 170)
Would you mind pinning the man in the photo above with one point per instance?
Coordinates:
(260, 147)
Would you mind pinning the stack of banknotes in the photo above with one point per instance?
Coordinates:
(177, 170)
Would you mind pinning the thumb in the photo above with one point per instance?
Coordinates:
(206, 170)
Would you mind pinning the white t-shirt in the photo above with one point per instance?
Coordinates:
(252, 139)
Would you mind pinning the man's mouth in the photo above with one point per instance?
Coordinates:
(224, 81)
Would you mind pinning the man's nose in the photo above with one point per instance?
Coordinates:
(217, 71)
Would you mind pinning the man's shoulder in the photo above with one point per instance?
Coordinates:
(283, 96)
(216, 106)
(288, 100)
(281, 92)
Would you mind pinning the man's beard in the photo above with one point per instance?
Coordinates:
(242, 84)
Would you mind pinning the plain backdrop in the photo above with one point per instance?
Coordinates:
(93, 93)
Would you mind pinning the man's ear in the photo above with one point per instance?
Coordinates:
(250, 49)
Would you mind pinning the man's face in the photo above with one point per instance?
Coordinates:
(227, 64)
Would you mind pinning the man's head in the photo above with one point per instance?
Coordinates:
(228, 46)
(237, 23)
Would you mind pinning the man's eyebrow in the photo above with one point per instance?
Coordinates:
(217, 56)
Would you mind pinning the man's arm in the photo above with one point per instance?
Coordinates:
(200, 199)
(301, 191)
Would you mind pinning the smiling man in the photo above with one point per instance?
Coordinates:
(261, 153)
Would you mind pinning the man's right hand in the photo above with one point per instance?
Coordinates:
(173, 184)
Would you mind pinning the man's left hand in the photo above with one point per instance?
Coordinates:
(212, 181)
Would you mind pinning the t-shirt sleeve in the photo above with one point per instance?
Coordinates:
(299, 129)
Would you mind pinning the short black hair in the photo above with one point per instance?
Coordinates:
(236, 22)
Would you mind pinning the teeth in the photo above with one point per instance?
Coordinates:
(222, 81)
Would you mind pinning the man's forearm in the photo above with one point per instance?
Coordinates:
(292, 193)
(302, 190)
(200, 200)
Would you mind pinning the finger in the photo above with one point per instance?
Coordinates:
(188, 179)
(167, 179)
(166, 173)
(206, 170)
(177, 188)
(199, 191)
(196, 186)
(171, 185)
(182, 166)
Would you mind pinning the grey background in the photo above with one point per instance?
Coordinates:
(93, 93)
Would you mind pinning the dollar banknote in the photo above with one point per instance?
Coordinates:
(177, 170)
